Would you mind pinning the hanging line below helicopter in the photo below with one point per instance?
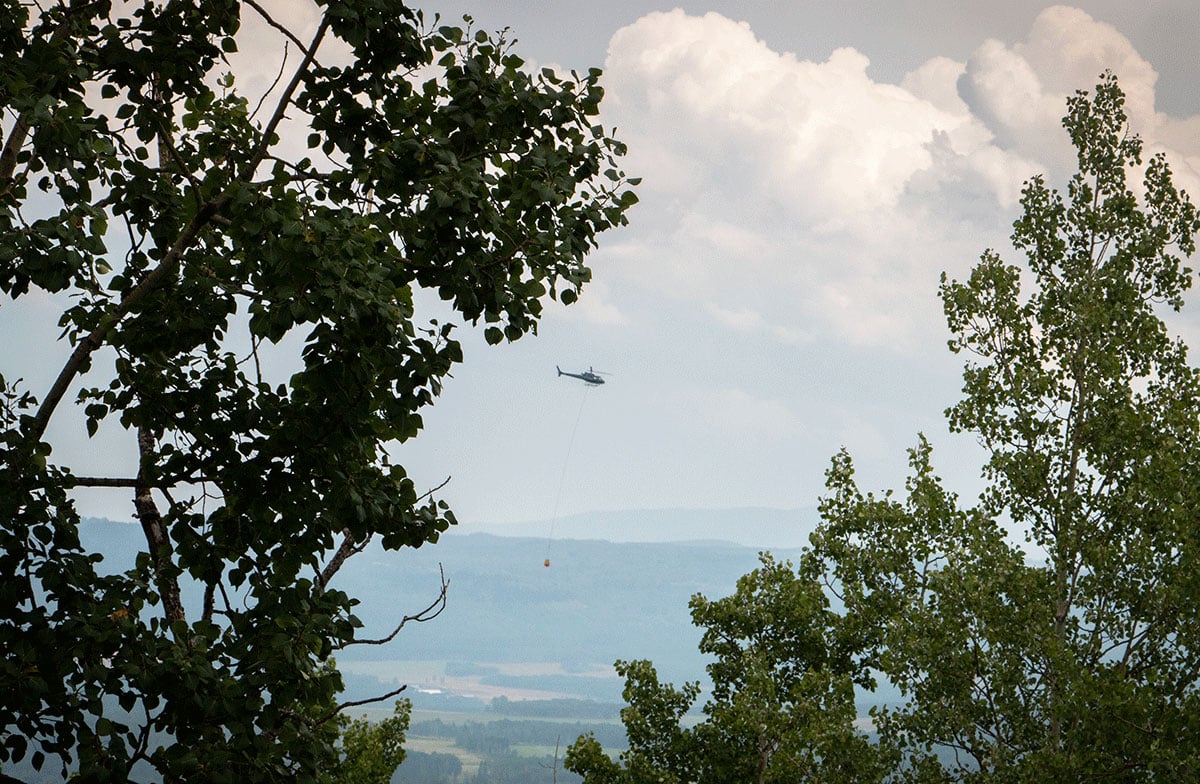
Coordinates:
(562, 479)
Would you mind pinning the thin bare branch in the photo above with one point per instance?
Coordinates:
(167, 151)
(99, 481)
(121, 481)
(286, 32)
(428, 614)
(274, 83)
(264, 143)
(355, 703)
(351, 546)
(429, 493)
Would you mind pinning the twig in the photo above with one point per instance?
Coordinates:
(225, 597)
(350, 546)
(120, 481)
(98, 481)
(428, 614)
(353, 704)
(275, 83)
(264, 143)
(254, 339)
(166, 144)
(288, 33)
(143, 743)
(433, 490)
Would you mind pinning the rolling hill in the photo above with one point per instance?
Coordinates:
(511, 624)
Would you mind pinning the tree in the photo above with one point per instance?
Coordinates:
(782, 704)
(192, 250)
(369, 752)
(429, 768)
(1074, 654)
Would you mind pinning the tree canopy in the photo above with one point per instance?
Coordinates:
(188, 227)
(1049, 631)
(369, 752)
(782, 699)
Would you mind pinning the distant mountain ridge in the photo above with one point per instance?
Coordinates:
(757, 527)
(597, 602)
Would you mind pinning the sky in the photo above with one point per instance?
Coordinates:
(809, 171)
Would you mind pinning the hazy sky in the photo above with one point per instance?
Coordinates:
(809, 171)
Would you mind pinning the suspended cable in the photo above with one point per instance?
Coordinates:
(562, 479)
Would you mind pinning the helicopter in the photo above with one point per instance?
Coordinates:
(588, 376)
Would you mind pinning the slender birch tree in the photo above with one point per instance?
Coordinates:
(1050, 633)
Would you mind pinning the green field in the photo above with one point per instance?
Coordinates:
(470, 762)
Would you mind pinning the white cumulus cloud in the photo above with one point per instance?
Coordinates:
(804, 200)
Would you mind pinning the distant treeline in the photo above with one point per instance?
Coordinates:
(562, 708)
(522, 770)
(434, 768)
(421, 767)
(496, 738)
(600, 689)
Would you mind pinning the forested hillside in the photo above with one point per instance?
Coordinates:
(597, 602)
